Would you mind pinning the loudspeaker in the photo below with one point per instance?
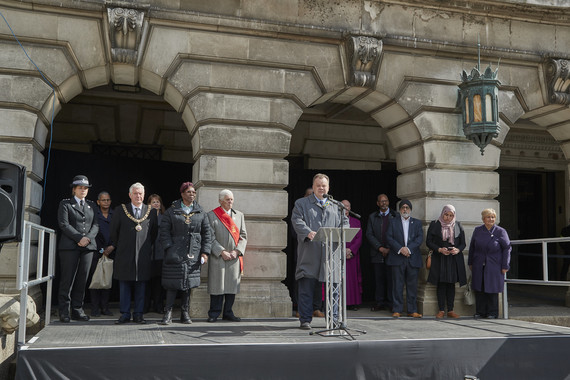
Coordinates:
(12, 184)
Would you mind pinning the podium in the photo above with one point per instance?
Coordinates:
(334, 239)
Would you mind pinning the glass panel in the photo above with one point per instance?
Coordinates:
(488, 107)
(466, 110)
(477, 113)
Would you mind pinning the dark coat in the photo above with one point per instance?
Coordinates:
(489, 253)
(183, 244)
(395, 237)
(450, 268)
(133, 248)
(374, 235)
(76, 223)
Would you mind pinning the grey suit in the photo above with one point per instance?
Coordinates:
(75, 223)
(308, 215)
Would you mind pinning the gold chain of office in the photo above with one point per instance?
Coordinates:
(138, 227)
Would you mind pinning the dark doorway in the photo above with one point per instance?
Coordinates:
(529, 210)
(361, 188)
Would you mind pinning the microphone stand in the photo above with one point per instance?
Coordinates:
(341, 326)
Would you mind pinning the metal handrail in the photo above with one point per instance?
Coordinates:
(545, 281)
(23, 281)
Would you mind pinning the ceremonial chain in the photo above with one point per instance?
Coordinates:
(138, 227)
(187, 217)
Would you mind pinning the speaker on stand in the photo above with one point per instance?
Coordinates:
(12, 190)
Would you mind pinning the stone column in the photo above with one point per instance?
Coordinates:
(239, 143)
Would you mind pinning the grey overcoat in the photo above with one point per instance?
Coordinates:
(224, 276)
(308, 215)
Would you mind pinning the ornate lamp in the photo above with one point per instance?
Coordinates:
(478, 98)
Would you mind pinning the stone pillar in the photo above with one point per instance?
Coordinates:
(239, 143)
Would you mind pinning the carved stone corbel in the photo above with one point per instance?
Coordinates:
(558, 76)
(364, 58)
(126, 27)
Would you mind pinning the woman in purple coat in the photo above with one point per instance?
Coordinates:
(489, 257)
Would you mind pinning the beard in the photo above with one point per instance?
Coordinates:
(406, 215)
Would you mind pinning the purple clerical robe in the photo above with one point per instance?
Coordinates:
(353, 272)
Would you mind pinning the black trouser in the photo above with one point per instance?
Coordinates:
(445, 294)
(383, 281)
(486, 304)
(74, 266)
(184, 299)
(216, 301)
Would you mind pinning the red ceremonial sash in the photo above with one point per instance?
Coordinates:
(229, 223)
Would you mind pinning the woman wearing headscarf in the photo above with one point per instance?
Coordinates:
(446, 238)
(489, 257)
(186, 238)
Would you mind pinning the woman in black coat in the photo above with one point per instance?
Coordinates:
(446, 238)
(186, 238)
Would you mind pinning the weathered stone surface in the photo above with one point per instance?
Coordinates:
(265, 204)
(206, 105)
(260, 171)
(441, 183)
(22, 89)
(250, 140)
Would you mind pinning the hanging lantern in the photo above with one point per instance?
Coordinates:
(478, 98)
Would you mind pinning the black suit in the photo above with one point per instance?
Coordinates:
(132, 266)
(75, 223)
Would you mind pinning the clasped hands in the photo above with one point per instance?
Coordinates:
(446, 252)
(229, 255)
(84, 242)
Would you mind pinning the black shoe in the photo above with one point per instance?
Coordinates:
(212, 319)
(167, 319)
(377, 308)
(79, 316)
(122, 319)
(107, 312)
(185, 318)
(231, 318)
(64, 318)
(95, 313)
(492, 317)
(139, 319)
(477, 316)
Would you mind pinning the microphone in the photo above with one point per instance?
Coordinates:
(328, 196)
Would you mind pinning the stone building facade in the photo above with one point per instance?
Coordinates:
(233, 87)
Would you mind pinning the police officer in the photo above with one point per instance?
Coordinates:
(78, 223)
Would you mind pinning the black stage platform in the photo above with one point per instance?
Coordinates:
(277, 349)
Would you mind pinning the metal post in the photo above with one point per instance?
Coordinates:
(545, 261)
(505, 300)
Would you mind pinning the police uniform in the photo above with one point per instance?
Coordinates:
(75, 221)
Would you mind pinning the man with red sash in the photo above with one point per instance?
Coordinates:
(225, 266)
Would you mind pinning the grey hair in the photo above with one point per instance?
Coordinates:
(103, 193)
(223, 194)
(136, 185)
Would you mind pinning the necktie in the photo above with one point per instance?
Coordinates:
(81, 203)
(137, 213)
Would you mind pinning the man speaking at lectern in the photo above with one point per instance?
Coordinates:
(309, 214)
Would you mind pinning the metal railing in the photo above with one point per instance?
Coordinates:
(545, 281)
(23, 280)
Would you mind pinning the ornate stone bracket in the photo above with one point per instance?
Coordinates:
(558, 75)
(126, 30)
(364, 57)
